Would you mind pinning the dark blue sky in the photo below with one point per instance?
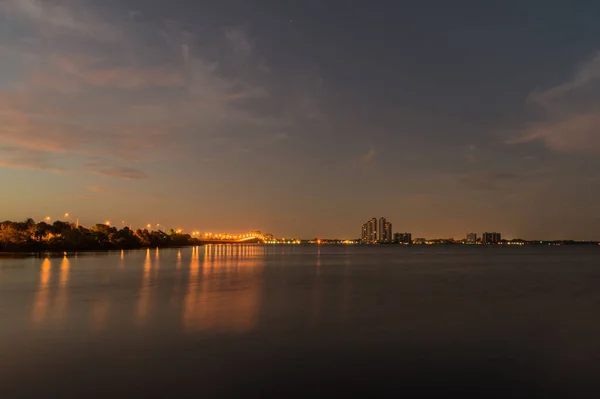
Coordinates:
(304, 118)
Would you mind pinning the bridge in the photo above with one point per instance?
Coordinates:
(249, 238)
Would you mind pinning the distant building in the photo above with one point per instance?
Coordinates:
(373, 237)
(376, 231)
(385, 230)
(388, 237)
(472, 238)
(491, 238)
(369, 231)
(419, 241)
(381, 229)
(403, 238)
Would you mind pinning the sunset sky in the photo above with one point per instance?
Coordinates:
(304, 118)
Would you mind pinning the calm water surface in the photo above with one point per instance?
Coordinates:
(298, 321)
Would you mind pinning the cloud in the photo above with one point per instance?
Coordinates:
(572, 132)
(239, 40)
(471, 153)
(55, 17)
(277, 137)
(96, 189)
(102, 193)
(185, 54)
(120, 172)
(75, 74)
(124, 77)
(369, 156)
(26, 159)
(248, 94)
(111, 83)
(135, 14)
(488, 180)
(571, 121)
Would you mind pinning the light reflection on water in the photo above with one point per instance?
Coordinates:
(225, 296)
(60, 308)
(323, 310)
(42, 297)
(218, 291)
(145, 290)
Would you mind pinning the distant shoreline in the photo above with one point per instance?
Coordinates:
(29, 237)
(62, 252)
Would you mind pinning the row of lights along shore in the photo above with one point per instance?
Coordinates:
(374, 231)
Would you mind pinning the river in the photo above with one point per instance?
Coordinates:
(298, 321)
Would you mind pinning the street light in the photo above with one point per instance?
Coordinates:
(107, 223)
(48, 219)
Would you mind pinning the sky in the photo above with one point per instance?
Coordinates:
(303, 118)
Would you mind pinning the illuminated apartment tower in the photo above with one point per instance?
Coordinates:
(377, 231)
(389, 236)
(369, 231)
(491, 238)
(373, 236)
(403, 238)
(384, 230)
(381, 229)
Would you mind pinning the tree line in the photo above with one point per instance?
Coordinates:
(29, 236)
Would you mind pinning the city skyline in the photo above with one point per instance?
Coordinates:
(278, 115)
(378, 225)
(375, 230)
(56, 236)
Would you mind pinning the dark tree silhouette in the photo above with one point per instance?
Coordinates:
(29, 236)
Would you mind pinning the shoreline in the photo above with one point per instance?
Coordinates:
(68, 251)
(62, 252)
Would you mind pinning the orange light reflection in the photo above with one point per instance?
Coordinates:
(41, 301)
(212, 304)
(144, 301)
(61, 297)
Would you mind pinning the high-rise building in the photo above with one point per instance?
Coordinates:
(472, 238)
(375, 230)
(369, 231)
(491, 238)
(388, 232)
(403, 238)
(381, 229)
